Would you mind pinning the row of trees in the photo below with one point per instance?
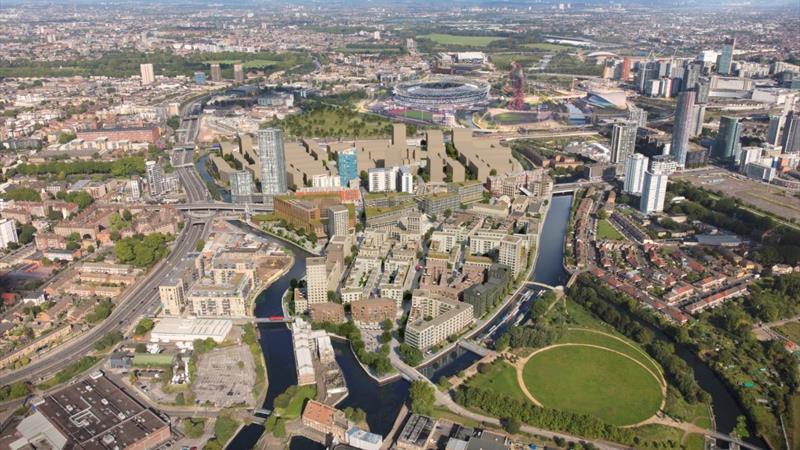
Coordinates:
(599, 299)
(122, 167)
(504, 406)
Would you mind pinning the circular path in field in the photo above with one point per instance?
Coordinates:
(592, 379)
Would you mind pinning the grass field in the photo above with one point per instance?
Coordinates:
(332, 122)
(419, 115)
(606, 231)
(513, 118)
(502, 61)
(632, 350)
(469, 41)
(548, 47)
(593, 381)
(502, 378)
(791, 330)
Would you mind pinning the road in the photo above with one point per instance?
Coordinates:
(143, 298)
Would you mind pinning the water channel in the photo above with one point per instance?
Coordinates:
(382, 402)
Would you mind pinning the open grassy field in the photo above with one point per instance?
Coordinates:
(502, 377)
(419, 115)
(334, 122)
(593, 381)
(469, 41)
(606, 231)
(502, 61)
(629, 348)
(548, 47)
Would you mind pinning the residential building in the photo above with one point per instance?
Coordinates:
(483, 296)
(726, 145)
(663, 164)
(338, 220)
(347, 164)
(8, 233)
(774, 129)
(148, 76)
(406, 180)
(272, 161)
(238, 73)
(383, 179)
(327, 312)
(242, 186)
(437, 204)
(514, 254)
(216, 73)
(654, 192)
(682, 127)
(725, 59)
(623, 141)
(372, 311)
(155, 178)
(316, 283)
(300, 213)
(791, 133)
(635, 166)
(439, 318)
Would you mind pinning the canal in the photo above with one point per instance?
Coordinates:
(202, 169)
(382, 402)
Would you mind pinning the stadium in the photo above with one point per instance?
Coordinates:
(444, 93)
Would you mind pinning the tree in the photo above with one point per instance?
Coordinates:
(387, 325)
(512, 425)
(410, 355)
(364, 176)
(740, 430)
(63, 138)
(422, 397)
(601, 214)
(448, 212)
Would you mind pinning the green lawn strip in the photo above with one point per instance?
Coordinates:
(502, 377)
(608, 232)
(452, 39)
(694, 442)
(593, 381)
(632, 350)
(657, 436)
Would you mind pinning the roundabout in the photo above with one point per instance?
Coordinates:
(597, 380)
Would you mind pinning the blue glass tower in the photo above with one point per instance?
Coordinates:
(347, 162)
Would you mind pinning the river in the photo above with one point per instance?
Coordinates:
(382, 402)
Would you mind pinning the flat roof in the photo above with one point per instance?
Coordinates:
(175, 328)
(95, 413)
